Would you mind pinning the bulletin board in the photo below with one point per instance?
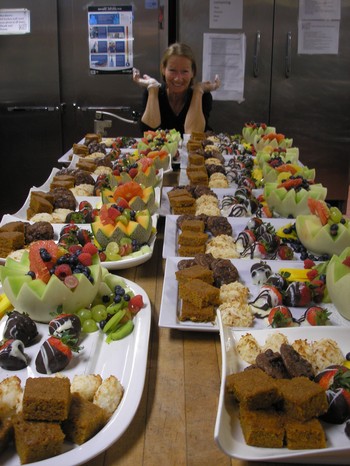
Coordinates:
(110, 39)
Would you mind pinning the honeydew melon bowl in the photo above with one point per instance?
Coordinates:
(338, 282)
(317, 237)
(291, 203)
(40, 300)
(249, 132)
(271, 175)
(290, 156)
(259, 143)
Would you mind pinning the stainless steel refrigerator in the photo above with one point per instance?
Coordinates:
(305, 96)
(48, 94)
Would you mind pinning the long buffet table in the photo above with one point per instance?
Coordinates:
(174, 423)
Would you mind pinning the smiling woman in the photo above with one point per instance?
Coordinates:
(179, 102)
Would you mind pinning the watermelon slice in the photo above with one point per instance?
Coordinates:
(42, 257)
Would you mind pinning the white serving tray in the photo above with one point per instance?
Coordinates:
(170, 305)
(170, 244)
(126, 359)
(228, 434)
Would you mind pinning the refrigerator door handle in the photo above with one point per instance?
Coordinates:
(32, 108)
(256, 54)
(288, 63)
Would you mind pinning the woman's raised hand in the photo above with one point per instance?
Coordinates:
(145, 80)
(208, 86)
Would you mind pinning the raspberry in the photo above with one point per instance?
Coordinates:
(85, 258)
(308, 264)
(74, 248)
(62, 271)
(90, 248)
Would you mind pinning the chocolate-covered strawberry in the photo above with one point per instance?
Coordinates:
(298, 294)
(268, 297)
(65, 323)
(12, 355)
(20, 327)
(55, 354)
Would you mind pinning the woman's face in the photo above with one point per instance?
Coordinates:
(178, 74)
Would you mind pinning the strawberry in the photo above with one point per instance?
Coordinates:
(298, 294)
(312, 274)
(133, 172)
(285, 252)
(55, 354)
(68, 324)
(12, 355)
(135, 304)
(84, 205)
(325, 378)
(280, 316)
(316, 315)
(84, 236)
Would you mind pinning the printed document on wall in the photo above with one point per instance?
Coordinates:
(224, 55)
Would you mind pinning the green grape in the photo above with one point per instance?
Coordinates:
(89, 326)
(335, 214)
(112, 251)
(99, 312)
(84, 314)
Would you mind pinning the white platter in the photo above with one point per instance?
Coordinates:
(170, 303)
(126, 359)
(164, 201)
(228, 434)
(126, 263)
(170, 245)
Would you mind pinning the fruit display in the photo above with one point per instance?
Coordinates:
(48, 277)
(290, 198)
(115, 223)
(325, 230)
(253, 129)
(338, 281)
(136, 196)
(160, 140)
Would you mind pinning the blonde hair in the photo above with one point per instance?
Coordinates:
(180, 50)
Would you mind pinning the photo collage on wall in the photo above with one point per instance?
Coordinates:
(110, 39)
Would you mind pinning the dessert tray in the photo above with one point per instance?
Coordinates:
(228, 434)
(164, 208)
(170, 303)
(171, 232)
(124, 263)
(126, 359)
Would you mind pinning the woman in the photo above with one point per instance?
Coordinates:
(179, 102)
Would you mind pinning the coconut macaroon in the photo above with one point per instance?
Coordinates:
(109, 395)
(218, 180)
(274, 342)
(41, 217)
(60, 215)
(326, 352)
(212, 161)
(222, 247)
(11, 394)
(102, 170)
(234, 308)
(235, 316)
(208, 205)
(86, 385)
(83, 190)
(235, 292)
(248, 348)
